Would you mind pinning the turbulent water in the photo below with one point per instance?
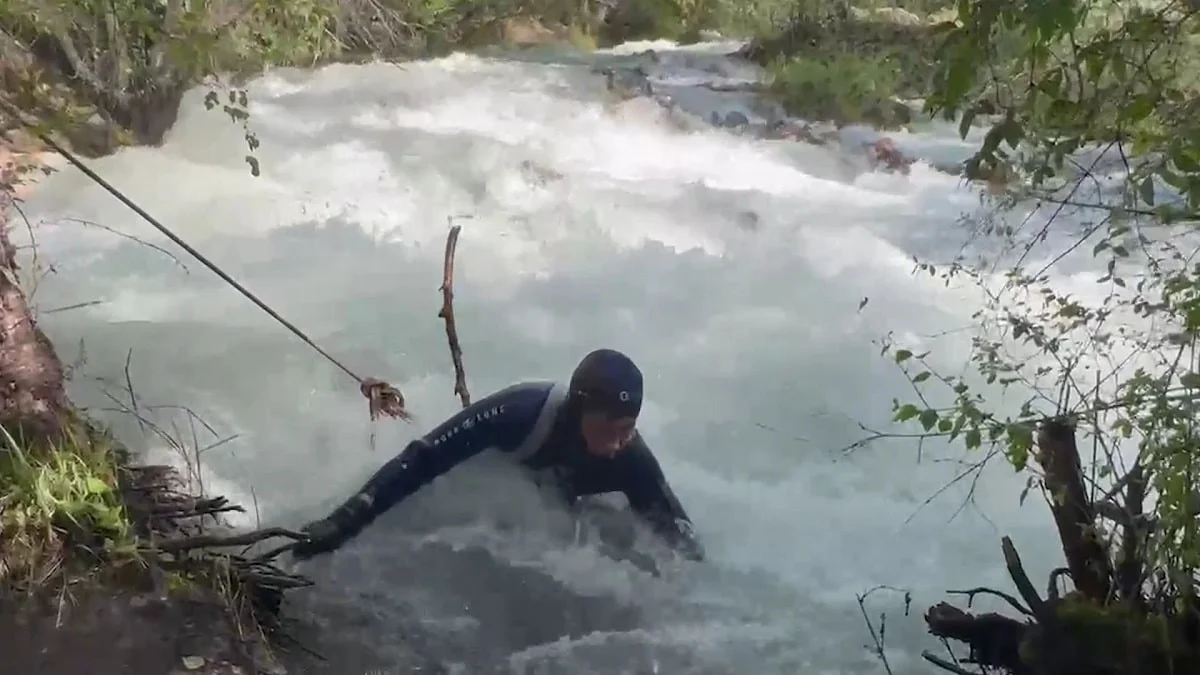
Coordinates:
(732, 269)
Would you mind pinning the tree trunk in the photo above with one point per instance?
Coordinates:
(33, 399)
(1074, 514)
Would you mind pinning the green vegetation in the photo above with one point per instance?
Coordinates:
(56, 500)
(1058, 77)
(850, 63)
(1067, 82)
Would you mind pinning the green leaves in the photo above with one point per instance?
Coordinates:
(1072, 81)
(928, 418)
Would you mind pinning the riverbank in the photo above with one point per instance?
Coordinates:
(107, 566)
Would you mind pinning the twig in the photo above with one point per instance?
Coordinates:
(213, 541)
(137, 415)
(877, 637)
(946, 665)
(1052, 583)
(281, 581)
(275, 552)
(446, 313)
(196, 512)
(971, 593)
(77, 305)
(141, 242)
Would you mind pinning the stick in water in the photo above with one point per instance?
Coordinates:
(447, 313)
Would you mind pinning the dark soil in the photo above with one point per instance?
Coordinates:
(97, 628)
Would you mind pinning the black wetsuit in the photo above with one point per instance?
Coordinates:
(537, 425)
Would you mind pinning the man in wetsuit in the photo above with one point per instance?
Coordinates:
(584, 436)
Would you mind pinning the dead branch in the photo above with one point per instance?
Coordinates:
(1012, 561)
(1052, 584)
(1129, 573)
(213, 541)
(273, 553)
(946, 665)
(994, 639)
(195, 512)
(971, 593)
(1073, 513)
(447, 314)
(878, 635)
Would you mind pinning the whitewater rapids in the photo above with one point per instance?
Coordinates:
(731, 268)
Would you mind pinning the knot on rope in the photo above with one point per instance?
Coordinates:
(384, 399)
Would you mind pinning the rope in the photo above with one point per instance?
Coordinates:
(383, 398)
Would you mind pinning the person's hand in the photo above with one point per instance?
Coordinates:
(324, 536)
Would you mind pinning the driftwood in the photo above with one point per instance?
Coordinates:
(1104, 626)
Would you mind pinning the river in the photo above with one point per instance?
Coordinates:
(731, 268)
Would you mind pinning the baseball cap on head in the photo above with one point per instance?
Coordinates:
(608, 381)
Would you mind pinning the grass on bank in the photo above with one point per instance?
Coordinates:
(60, 508)
(850, 63)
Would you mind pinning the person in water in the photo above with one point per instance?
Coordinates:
(584, 436)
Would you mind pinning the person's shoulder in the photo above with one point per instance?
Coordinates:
(528, 392)
(525, 399)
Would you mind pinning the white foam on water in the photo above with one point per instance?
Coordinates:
(590, 225)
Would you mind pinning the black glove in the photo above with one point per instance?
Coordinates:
(324, 535)
(330, 533)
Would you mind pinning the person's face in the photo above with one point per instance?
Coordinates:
(606, 436)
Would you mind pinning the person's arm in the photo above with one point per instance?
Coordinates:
(503, 420)
(651, 497)
(500, 421)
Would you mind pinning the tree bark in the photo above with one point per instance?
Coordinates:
(33, 398)
(1073, 511)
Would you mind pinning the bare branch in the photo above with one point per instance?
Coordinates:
(1012, 561)
(971, 593)
(213, 541)
(446, 313)
(946, 665)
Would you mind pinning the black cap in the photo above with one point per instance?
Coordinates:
(609, 381)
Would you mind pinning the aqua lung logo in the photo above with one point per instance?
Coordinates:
(469, 423)
(624, 396)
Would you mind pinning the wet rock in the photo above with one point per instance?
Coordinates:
(736, 119)
(193, 662)
(732, 120)
(538, 175)
(749, 221)
(526, 32)
(651, 55)
(884, 153)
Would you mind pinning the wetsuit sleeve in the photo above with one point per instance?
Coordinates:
(501, 421)
(653, 499)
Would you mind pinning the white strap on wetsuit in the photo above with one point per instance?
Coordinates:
(544, 424)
